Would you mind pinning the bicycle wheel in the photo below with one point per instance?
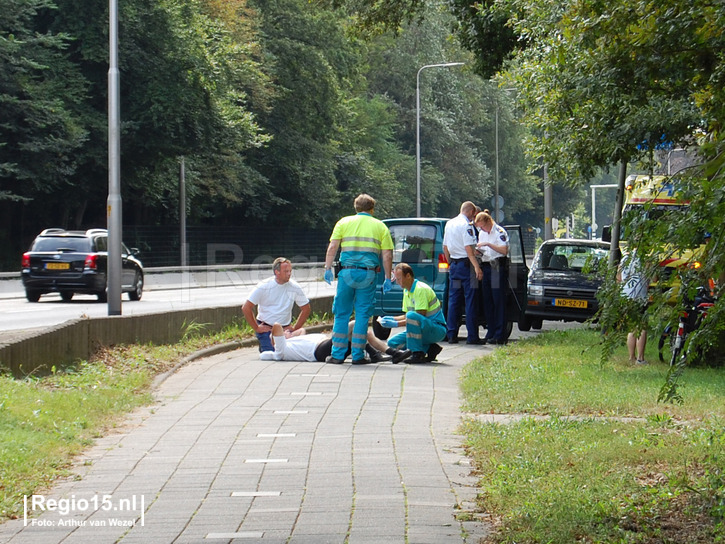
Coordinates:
(678, 342)
(664, 346)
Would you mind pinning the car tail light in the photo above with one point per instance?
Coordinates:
(442, 263)
(91, 262)
(26, 261)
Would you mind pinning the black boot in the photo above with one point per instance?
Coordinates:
(433, 351)
(399, 356)
(375, 355)
(417, 357)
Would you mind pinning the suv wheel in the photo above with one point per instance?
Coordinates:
(525, 324)
(102, 296)
(32, 295)
(138, 288)
(66, 296)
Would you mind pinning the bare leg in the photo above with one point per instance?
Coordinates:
(631, 343)
(641, 344)
(376, 342)
(277, 330)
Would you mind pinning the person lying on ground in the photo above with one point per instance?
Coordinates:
(300, 346)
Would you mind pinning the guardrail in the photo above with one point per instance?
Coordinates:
(200, 268)
(170, 278)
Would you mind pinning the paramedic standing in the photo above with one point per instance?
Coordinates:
(493, 244)
(464, 274)
(365, 245)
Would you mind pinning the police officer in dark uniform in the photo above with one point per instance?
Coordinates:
(464, 274)
(493, 245)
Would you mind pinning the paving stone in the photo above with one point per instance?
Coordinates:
(374, 459)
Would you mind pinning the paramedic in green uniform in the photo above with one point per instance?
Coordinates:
(365, 245)
(423, 319)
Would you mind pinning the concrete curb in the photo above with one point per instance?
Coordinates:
(76, 339)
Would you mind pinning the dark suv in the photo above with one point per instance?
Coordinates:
(419, 242)
(69, 262)
(564, 279)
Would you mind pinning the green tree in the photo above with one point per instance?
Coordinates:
(311, 63)
(183, 80)
(40, 88)
(457, 120)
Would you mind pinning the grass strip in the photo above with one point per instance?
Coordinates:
(593, 478)
(46, 421)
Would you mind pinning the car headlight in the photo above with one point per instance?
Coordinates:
(536, 290)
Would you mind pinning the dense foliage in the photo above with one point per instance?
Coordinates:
(604, 84)
(280, 112)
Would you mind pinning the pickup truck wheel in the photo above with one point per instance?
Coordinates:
(508, 329)
(525, 324)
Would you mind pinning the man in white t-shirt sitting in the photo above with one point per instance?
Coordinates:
(300, 346)
(275, 297)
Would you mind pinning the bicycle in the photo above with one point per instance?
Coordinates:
(690, 319)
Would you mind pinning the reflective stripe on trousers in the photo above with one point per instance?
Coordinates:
(420, 332)
(355, 292)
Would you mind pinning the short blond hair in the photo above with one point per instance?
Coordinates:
(278, 262)
(467, 206)
(364, 203)
(484, 218)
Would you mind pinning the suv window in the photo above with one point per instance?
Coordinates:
(66, 243)
(101, 243)
(413, 243)
(570, 257)
(515, 255)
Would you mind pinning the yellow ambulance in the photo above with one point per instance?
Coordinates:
(655, 195)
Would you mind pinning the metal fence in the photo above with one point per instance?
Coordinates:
(161, 246)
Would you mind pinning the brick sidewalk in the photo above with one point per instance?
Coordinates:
(238, 449)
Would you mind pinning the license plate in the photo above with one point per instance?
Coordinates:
(570, 303)
(57, 266)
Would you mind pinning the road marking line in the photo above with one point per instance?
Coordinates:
(256, 493)
(228, 536)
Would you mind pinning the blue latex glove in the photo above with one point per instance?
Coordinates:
(388, 322)
(387, 285)
(329, 276)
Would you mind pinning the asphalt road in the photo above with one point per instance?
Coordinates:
(17, 315)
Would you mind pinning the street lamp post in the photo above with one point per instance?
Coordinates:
(497, 204)
(417, 127)
(113, 208)
(594, 204)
